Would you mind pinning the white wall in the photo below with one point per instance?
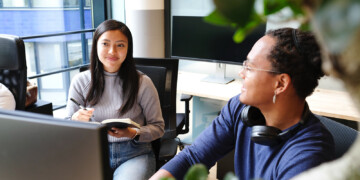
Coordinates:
(146, 21)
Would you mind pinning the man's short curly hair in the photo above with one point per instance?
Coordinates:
(297, 53)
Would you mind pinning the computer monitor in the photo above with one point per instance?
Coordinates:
(194, 39)
(35, 146)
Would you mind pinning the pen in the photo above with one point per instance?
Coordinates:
(74, 101)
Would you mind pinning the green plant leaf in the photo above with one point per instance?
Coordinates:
(217, 19)
(239, 35)
(230, 176)
(305, 26)
(242, 31)
(237, 11)
(167, 178)
(296, 7)
(197, 172)
(273, 6)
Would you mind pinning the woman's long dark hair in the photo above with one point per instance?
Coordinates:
(127, 72)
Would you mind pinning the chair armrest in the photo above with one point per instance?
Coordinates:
(168, 149)
(182, 119)
(185, 97)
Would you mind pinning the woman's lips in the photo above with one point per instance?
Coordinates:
(112, 58)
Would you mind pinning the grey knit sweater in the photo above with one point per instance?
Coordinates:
(146, 111)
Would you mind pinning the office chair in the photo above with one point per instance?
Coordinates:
(344, 137)
(175, 123)
(13, 70)
(182, 119)
(158, 77)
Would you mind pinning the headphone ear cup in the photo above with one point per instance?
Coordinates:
(265, 135)
(252, 116)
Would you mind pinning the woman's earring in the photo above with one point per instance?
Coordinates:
(274, 97)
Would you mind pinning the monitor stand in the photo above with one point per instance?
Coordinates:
(219, 76)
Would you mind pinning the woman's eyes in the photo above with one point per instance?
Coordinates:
(118, 45)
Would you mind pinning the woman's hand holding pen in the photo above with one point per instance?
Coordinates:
(83, 115)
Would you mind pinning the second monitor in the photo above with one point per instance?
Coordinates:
(35, 146)
(195, 39)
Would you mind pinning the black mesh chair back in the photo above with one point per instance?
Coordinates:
(13, 71)
(344, 136)
(168, 98)
(157, 76)
(166, 147)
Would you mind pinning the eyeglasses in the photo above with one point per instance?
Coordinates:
(248, 69)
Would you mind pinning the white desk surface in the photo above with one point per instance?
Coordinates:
(329, 103)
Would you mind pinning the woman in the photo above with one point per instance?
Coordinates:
(7, 100)
(279, 139)
(112, 88)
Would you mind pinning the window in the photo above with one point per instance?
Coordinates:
(15, 3)
(44, 3)
(57, 36)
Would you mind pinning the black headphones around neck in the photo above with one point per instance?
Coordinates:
(267, 135)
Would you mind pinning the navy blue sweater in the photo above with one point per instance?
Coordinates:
(310, 145)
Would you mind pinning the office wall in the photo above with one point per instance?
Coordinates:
(146, 21)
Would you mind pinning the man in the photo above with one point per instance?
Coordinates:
(278, 139)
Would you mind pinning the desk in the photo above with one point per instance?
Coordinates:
(42, 107)
(329, 103)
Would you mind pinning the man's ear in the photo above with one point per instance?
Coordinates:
(283, 82)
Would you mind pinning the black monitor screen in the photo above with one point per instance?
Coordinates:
(193, 38)
(35, 146)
